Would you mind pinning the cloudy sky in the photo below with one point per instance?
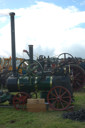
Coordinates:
(52, 26)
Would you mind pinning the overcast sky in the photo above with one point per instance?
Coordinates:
(52, 26)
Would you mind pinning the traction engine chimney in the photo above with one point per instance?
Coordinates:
(12, 14)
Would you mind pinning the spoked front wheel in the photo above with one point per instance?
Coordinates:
(20, 100)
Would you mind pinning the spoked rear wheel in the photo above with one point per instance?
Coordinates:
(59, 98)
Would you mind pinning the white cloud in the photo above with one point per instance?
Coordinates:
(4, 12)
(46, 26)
(3, 19)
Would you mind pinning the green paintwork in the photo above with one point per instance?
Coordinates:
(30, 84)
(4, 97)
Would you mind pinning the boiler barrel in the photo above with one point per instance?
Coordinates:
(27, 84)
(30, 84)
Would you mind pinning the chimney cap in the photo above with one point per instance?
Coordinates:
(11, 13)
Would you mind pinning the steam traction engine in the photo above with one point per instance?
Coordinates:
(56, 89)
(30, 78)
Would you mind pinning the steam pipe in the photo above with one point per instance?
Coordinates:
(12, 14)
(31, 53)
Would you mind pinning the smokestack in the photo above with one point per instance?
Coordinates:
(12, 14)
(31, 53)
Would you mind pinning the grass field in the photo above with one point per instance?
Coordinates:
(11, 118)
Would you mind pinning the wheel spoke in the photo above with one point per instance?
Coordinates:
(56, 92)
(16, 102)
(77, 79)
(63, 93)
(53, 103)
(62, 104)
(53, 94)
(76, 75)
(52, 98)
(66, 97)
(64, 101)
(17, 98)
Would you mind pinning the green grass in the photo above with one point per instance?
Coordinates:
(11, 118)
(79, 100)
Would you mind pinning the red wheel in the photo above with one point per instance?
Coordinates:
(59, 98)
(78, 77)
(20, 100)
